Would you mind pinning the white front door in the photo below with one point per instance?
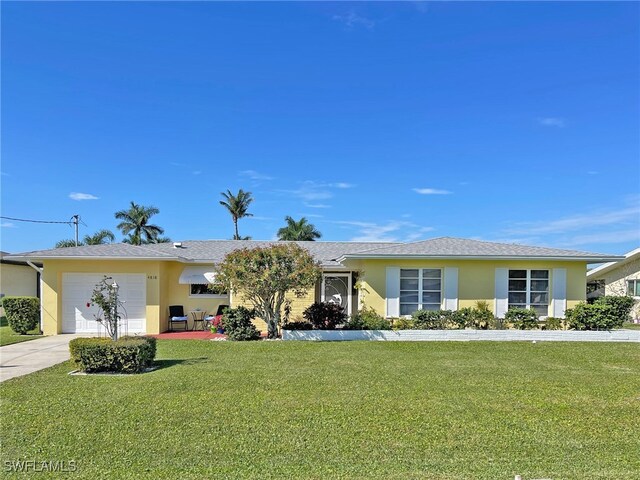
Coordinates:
(336, 288)
(79, 315)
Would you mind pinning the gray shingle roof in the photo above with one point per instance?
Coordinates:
(111, 250)
(462, 247)
(215, 250)
(329, 254)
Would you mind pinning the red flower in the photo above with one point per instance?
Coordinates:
(88, 305)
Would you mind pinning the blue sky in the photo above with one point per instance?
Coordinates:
(516, 122)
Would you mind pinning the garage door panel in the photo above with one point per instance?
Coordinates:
(77, 289)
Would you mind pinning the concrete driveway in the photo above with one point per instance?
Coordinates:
(28, 357)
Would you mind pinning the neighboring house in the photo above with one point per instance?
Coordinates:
(17, 278)
(393, 278)
(617, 278)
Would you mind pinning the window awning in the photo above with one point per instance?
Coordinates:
(197, 275)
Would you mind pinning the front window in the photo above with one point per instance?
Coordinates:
(208, 289)
(529, 289)
(420, 289)
(633, 288)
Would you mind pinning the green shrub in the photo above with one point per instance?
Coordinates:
(432, 319)
(605, 313)
(125, 355)
(463, 318)
(553, 323)
(620, 307)
(367, 319)
(325, 315)
(23, 313)
(402, 323)
(522, 318)
(237, 324)
(297, 325)
(483, 318)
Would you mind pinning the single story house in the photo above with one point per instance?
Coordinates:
(395, 279)
(18, 279)
(620, 277)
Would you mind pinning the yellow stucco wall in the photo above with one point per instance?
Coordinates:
(52, 287)
(476, 279)
(17, 281)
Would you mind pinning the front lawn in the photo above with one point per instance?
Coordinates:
(8, 336)
(631, 326)
(449, 410)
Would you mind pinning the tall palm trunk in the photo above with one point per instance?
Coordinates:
(235, 223)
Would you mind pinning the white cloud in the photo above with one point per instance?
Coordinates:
(259, 218)
(618, 236)
(82, 196)
(579, 222)
(317, 205)
(7, 225)
(552, 122)
(310, 215)
(197, 172)
(342, 185)
(392, 231)
(254, 175)
(431, 191)
(352, 20)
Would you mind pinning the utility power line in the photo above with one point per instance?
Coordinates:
(75, 220)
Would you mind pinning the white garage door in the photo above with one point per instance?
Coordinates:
(76, 294)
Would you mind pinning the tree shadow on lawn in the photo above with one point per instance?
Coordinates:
(171, 362)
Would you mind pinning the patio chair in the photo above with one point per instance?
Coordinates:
(176, 315)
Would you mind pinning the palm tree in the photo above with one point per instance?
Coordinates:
(67, 243)
(135, 224)
(301, 230)
(99, 238)
(237, 206)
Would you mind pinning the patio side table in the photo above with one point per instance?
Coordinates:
(198, 316)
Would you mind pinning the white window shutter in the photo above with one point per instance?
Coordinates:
(393, 292)
(451, 288)
(559, 292)
(502, 292)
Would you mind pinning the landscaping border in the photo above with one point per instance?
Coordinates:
(463, 335)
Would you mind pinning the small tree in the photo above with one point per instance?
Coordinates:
(105, 296)
(263, 276)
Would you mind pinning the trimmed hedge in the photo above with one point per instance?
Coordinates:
(605, 313)
(522, 318)
(297, 325)
(367, 319)
(23, 313)
(125, 355)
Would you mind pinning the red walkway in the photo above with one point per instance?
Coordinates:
(189, 335)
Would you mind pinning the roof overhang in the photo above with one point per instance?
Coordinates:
(41, 258)
(202, 275)
(479, 257)
(613, 264)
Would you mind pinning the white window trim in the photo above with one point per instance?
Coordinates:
(420, 290)
(635, 282)
(349, 286)
(528, 289)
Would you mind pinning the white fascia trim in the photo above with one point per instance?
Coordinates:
(84, 257)
(602, 269)
(481, 257)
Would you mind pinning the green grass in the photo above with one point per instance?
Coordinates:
(449, 410)
(631, 326)
(8, 336)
